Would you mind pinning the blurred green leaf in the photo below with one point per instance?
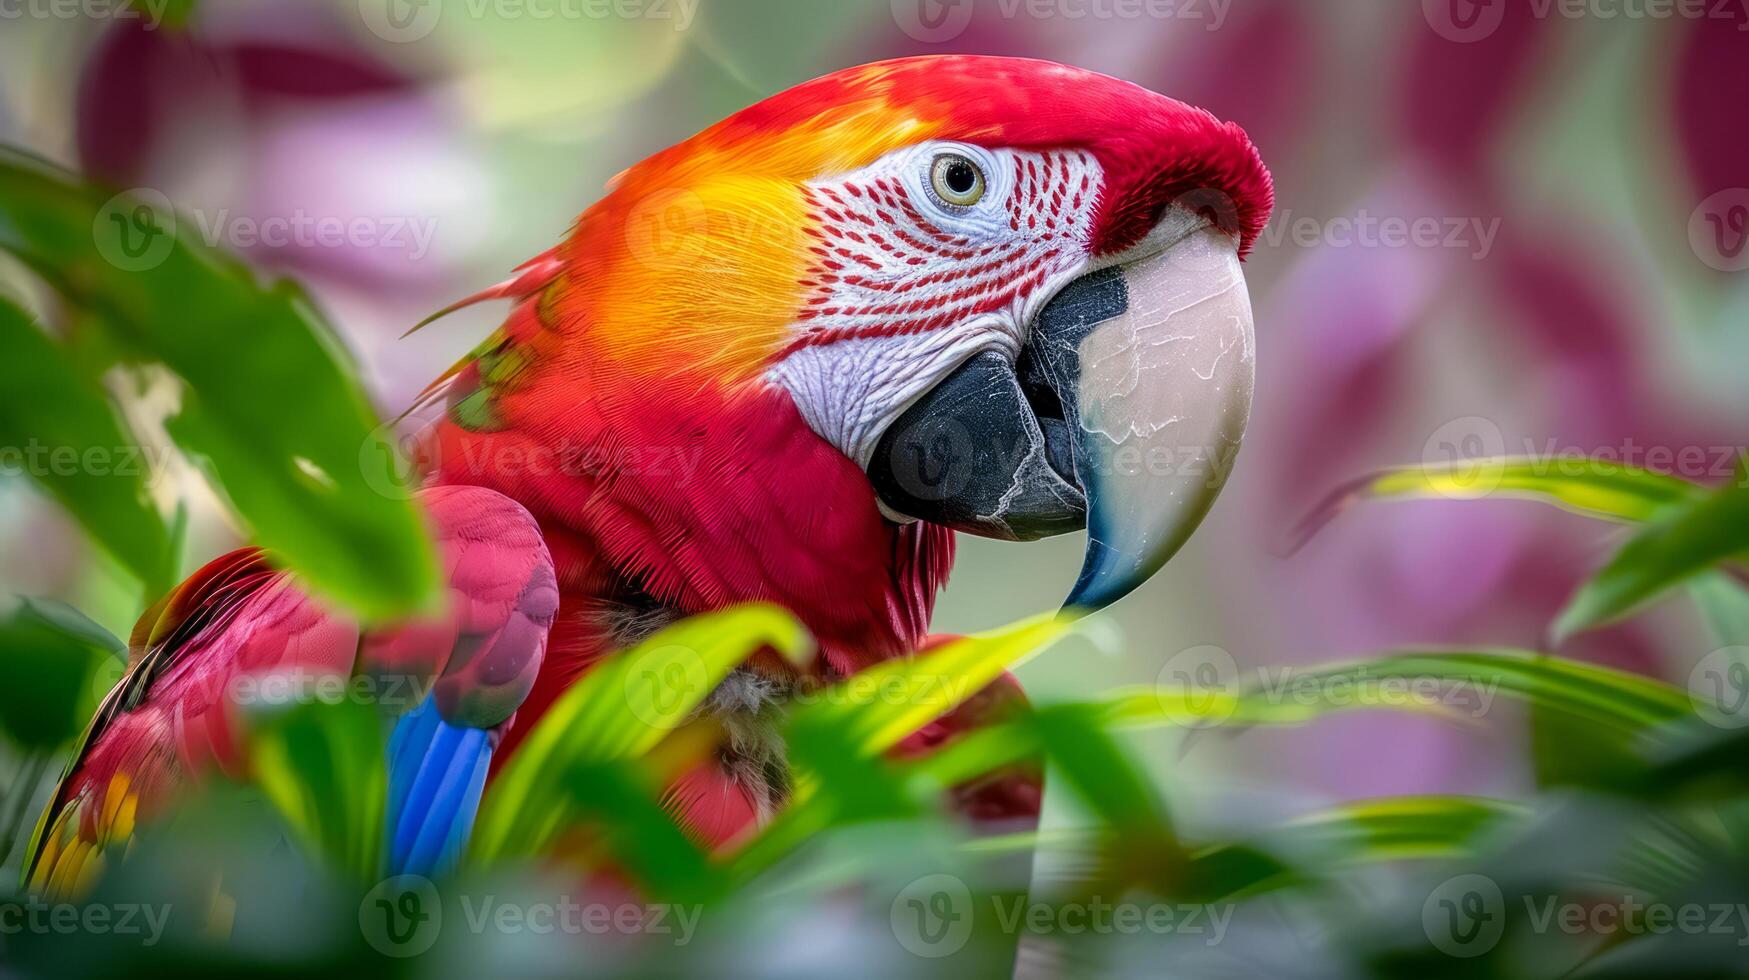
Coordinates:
(48, 656)
(642, 836)
(836, 736)
(1673, 549)
(1459, 684)
(1354, 834)
(874, 710)
(1393, 828)
(273, 403)
(1605, 489)
(1142, 845)
(322, 767)
(75, 624)
(620, 710)
(1724, 604)
(67, 437)
(1605, 697)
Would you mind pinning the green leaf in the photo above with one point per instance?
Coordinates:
(48, 657)
(65, 435)
(322, 767)
(1592, 487)
(1393, 828)
(642, 836)
(75, 624)
(1606, 713)
(984, 750)
(1724, 604)
(620, 710)
(1678, 546)
(1607, 698)
(872, 711)
(273, 402)
(1352, 835)
(836, 736)
(1143, 848)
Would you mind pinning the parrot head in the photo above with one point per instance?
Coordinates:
(1005, 294)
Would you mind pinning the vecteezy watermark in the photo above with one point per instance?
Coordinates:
(940, 21)
(1718, 229)
(393, 460)
(1718, 687)
(934, 916)
(149, 12)
(297, 685)
(912, 688)
(146, 921)
(404, 21)
(42, 461)
(1364, 228)
(1468, 457)
(136, 230)
(404, 916)
(409, 234)
(1466, 21)
(660, 683)
(1202, 686)
(1465, 916)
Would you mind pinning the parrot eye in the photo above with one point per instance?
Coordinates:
(956, 180)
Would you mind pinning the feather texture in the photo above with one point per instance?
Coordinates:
(177, 715)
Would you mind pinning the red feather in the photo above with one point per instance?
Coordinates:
(176, 716)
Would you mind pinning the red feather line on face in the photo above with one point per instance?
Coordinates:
(871, 235)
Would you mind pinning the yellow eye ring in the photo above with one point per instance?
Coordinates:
(956, 180)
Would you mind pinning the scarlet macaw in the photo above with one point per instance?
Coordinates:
(784, 360)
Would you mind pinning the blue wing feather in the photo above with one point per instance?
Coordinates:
(437, 772)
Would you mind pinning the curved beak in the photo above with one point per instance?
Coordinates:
(1123, 414)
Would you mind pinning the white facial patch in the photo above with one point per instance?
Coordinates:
(906, 286)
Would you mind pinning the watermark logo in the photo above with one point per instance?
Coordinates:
(932, 21)
(932, 916)
(389, 459)
(1473, 235)
(149, 13)
(1464, 916)
(1464, 21)
(130, 919)
(940, 21)
(1461, 459)
(400, 21)
(135, 230)
(664, 224)
(1198, 687)
(1469, 457)
(1718, 230)
(660, 683)
(402, 916)
(1203, 687)
(1718, 687)
(934, 458)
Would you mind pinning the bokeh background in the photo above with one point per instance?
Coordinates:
(1502, 226)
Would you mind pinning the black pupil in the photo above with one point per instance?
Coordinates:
(960, 176)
